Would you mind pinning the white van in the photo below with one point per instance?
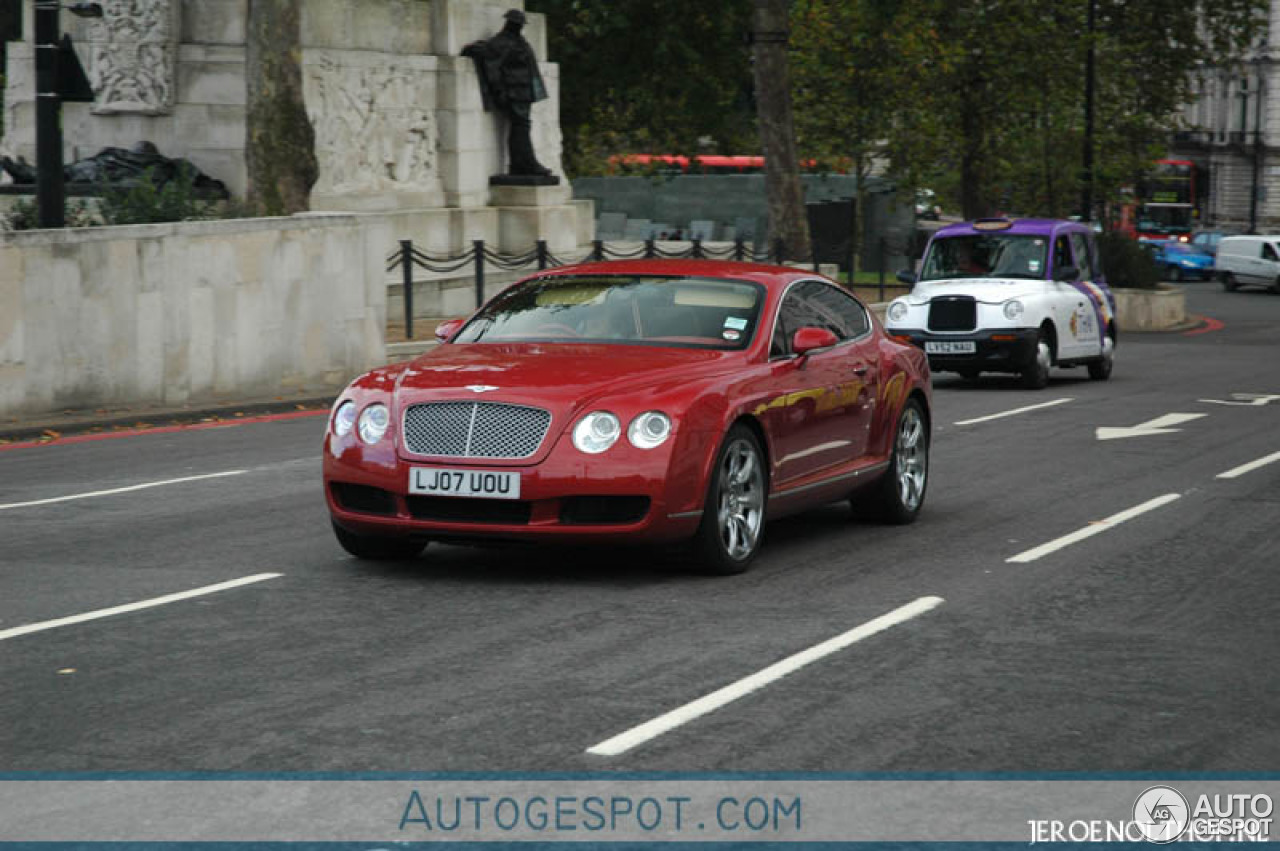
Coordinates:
(1248, 260)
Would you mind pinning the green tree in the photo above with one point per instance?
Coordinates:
(664, 76)
(857, 69)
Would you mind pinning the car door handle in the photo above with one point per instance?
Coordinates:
(859, 370)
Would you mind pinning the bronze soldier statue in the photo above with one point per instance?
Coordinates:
(510, 80)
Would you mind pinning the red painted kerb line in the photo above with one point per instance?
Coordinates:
(135, 432)
(1210, 324)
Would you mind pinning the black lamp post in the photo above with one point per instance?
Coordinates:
(50, 88)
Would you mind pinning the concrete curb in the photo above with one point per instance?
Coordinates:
(80, 422)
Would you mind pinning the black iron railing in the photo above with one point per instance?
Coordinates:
(479, 257)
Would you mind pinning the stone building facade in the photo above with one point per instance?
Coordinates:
(397, 110)
(1232, 134)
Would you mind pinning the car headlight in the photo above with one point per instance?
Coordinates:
(344, 418)
(1012, 309)
(898, 311)
(649, 430)
(596, 432)
(373, 423)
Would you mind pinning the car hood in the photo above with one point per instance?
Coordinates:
(987, 290)
(554, 375)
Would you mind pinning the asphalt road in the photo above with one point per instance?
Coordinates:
(1150, 641)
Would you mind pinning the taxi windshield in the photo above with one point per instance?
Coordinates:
(986, 255)
(622, 309)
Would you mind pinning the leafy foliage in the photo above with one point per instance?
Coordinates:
(25, 215)
(981, 100)
(1126, 262)
(662, 76)
(148, 202)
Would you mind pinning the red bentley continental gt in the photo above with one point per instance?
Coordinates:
(646, 401)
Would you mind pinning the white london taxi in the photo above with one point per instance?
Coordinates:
(1009, 295)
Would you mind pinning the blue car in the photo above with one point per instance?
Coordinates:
(1180, 261)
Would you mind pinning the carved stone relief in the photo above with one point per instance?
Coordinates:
(133, 57)
(375, 126)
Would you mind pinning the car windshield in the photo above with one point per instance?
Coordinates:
(622, 309)
(986, 256)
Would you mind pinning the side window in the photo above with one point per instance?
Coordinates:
(1269, 252)
(1095, 260)
(1061, 254)
(1084, 260)
(794, 314)
(840, 312)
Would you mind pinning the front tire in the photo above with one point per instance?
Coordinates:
(376, 547)
(899, 495)
(1229, 282)
(1174, 275)
(733, 515)
(1035, 375)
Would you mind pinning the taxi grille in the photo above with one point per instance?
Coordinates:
(474, 430)
(953, 313)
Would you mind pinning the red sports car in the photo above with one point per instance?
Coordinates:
(644, 401)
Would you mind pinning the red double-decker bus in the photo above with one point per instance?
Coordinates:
(1164, 203)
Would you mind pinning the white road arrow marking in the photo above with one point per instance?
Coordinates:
(1160, 425)
(1244, 399)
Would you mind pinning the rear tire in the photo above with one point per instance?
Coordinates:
(1100, 370)
(733, 515)
(376, 547)
(1035, 375)
(1174, 274)
(899, 495)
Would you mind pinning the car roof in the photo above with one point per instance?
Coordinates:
(1038, 227)
(768, 275)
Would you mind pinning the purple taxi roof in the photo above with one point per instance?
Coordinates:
(1043, 227)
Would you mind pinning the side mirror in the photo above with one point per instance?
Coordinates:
(907, 277)
(810, 339)
(1067, 273)
(445, 330)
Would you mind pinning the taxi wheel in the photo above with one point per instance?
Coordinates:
(1035, 375)
(375, 548)
(1100, 370)
(899, 495)
(1229, 282)
(732, 526)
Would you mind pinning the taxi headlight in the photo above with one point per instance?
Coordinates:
(898, 311)
(373, 423)
(596, 432)
(649, 430)
(344, 418)
(1012, 309)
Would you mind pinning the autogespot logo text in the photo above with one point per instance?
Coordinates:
(1161, 814)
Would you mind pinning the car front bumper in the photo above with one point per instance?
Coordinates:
(626, 495)
(999, 350)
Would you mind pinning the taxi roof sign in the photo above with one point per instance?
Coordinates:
(992, 224)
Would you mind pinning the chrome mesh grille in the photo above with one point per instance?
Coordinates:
(474, 429)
